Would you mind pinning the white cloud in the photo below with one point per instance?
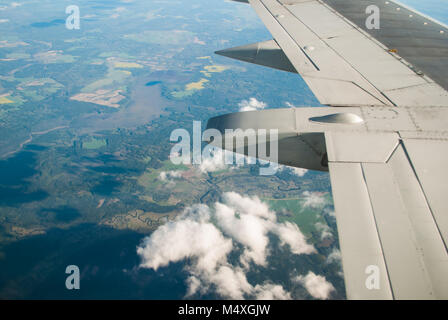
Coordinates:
(191, 236)
(194, 285)
(175, 157)
(216, 161)
(313, 199)
(4, 20)
(249, 221)
(290, 234)
(300, 172)
(231, 282)
(334, 256)
(247, 230)
(271, 292)
(167, 175)
(324, 230)
(252, 206)
(330, 213)
(206, 237)
(251, 105)
(317, 286)
(213, 162)
(15, 4)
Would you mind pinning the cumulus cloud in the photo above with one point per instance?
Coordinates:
(251, 105)
(329, 213)
(324, 230)
(231, 282)
(300, 172)
(216, 161)
(271, 292)
(249, 221)
(213, 162)
(313, 199)
(334, 257)
(317, 286)
(192, 236)
(194, 285)
(206, 237)
(167, 175)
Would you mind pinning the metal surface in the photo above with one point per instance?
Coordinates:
(267, 53)
(400, 247)
(390, 197)
(429, 161)
(298, 149)
(389, 192)
(332, 80)
(427, 239)
(357, 232)
(360, 147)
(343, 64)
(420, 44)
(341, 118)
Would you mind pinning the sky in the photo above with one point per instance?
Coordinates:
(437, 9)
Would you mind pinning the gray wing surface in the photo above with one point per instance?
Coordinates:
(345, 65)
(387, 219)
(386, 143)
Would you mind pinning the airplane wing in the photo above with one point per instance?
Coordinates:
(384, 145)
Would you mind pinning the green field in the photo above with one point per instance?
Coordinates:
(294, 211)
(94, 143)
(172, 37)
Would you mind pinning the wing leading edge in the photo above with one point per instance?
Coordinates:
(345, 65)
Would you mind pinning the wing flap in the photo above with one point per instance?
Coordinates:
(360, 147)
(400, 247)
(390, 194)
(358, 237)
(429, 161)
